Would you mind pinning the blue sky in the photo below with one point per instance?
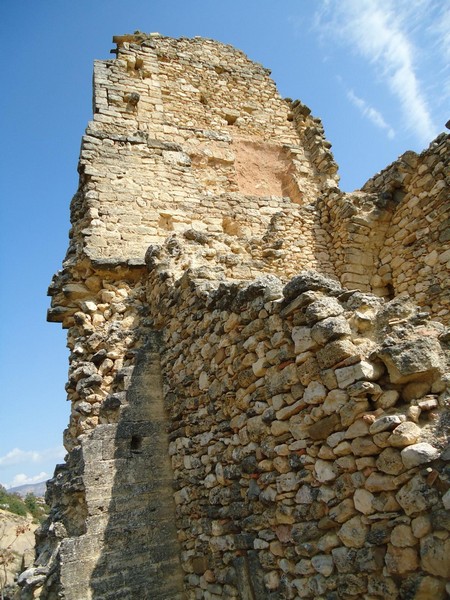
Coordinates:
(375, 71)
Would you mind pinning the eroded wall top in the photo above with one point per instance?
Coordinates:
(189, 133)
(190, 141)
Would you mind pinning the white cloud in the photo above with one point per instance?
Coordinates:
(382, 33)
(371, 113)
(22, 479)
(18, 456)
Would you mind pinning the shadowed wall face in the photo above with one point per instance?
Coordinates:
(129, 547)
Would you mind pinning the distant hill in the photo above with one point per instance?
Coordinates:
(38, 489)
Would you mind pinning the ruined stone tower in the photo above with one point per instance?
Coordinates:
(258, 361)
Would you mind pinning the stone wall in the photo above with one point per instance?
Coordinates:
(392, 237)
(111, 531)
(307, 430)
(415, 256)
(238, 430)
(190, 134)
(185, 133)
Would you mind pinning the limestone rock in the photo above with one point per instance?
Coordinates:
(330, 329)
(390, 461)
(353, 533)
(302, 339)
(419, 454)
(325, 471)
(405, 434)
(323, 564)
(430, 587)
(361, 370)
(435, 555)
(336, 352)
(344, 558)
(377, 482)
(420, 358)
(323, 308)
(388, 399)
(401, 560)
(363, 501)
(386, 423)
(402, 536)
(416, 496)
(310, 280)
(323, 428)
(315, 393)
(364, 446)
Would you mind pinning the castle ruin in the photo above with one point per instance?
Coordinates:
(259, 374)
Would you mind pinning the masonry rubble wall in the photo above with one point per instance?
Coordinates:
(307, 432)
(190, 134)
(414, 258)
(238, 430)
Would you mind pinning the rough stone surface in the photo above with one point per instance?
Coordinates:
(16, 546)
(419, 454)
(254, 402)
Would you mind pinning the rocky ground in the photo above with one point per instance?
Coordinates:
(16, 547)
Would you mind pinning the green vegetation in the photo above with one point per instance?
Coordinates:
(15, 504)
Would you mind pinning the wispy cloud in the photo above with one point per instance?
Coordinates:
(441, 30)
(438, 32)
(371, 113)
(16, 456)
(381, 32)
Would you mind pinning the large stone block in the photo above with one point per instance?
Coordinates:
(410, 360)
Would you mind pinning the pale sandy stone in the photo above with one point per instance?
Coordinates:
(386, 423)
(388, 399)
(446, 500)
(390, 462)
(353, 533)
(287, 482)
(315, 393)
(416, 496)
(325, 470)
(377, 482)
(304, 567)
(421, 526)
(281, 464)
(405, 434)
(334, 400)
(363, 501)
(362, 370)
(401, 560)
(359, 428)
(301, 336)
(430, 588)
(364, 446)
(290, 410)
(419, 454)
(402, 536)
(323, 564)
(435, 555)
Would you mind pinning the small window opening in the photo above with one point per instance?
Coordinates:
(390, 291)
(136, 444)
